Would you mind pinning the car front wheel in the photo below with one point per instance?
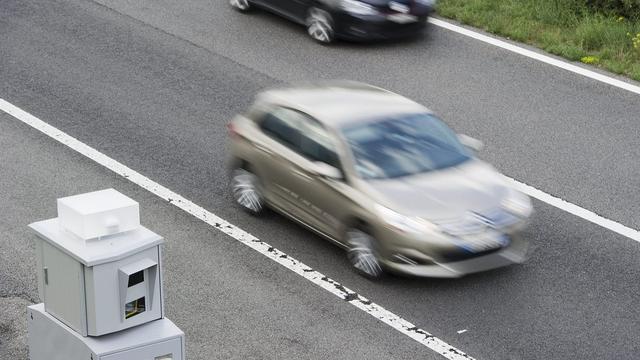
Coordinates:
(240, 5)
(320, 26)
(362, 254)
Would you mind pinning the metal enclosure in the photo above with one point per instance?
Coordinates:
(100, 280)
(63, 288)
(50, 339)
(101, 285)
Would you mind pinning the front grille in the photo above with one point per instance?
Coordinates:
(390, 26)
(465, 255)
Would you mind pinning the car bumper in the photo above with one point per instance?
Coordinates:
(452, 262)
(514, 254)
(377, 28)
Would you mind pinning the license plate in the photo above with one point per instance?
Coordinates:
(402, 18)
(484, 242)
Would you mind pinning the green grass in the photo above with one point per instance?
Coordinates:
(561, 27)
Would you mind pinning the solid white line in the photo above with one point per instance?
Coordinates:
(537, 56)
(575, 210)
(332, 286)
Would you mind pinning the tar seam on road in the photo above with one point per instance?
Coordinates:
(332, 286)
(537, 56)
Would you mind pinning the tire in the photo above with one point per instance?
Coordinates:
(240, 5)
(247, 191)
(320, 26)
(362, 254)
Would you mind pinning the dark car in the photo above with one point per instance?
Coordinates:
(350, 19)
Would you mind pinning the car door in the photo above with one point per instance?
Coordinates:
(277, 151)
(298, 9)
(323, 200)
(295, 10)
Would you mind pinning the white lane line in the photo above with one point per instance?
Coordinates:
(537, 56)
(575, 210)
(332, 286)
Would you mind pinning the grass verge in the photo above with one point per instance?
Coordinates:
(560, 27)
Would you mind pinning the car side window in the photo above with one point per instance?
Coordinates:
(302, 134)
(283, 125)
(317, 144)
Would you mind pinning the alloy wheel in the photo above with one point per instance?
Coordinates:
(319, 26)
(246, 191)
(240, 5)
(361, 254)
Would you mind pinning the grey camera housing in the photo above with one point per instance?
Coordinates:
(86, 283)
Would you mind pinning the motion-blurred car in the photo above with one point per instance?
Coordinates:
(349, 19)
(381, 176)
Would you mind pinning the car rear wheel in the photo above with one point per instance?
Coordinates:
(362, 254)
(240, 5)
(247, 191)
(320, 26)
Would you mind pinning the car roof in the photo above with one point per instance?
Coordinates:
(340, 103)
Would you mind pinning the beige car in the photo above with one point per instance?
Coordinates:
(379, 175)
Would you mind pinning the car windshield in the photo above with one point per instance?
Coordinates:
(403, 145)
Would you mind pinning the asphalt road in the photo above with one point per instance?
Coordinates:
(242, 307)
(152, 84)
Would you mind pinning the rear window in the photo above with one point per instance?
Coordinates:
(281, 128)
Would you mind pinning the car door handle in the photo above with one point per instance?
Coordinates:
(301, 175)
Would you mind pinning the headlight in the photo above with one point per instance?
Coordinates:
(405, 223)
(357, 7)
(517, 203)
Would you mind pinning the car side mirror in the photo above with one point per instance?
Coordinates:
(326, 170)
(471, 143)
